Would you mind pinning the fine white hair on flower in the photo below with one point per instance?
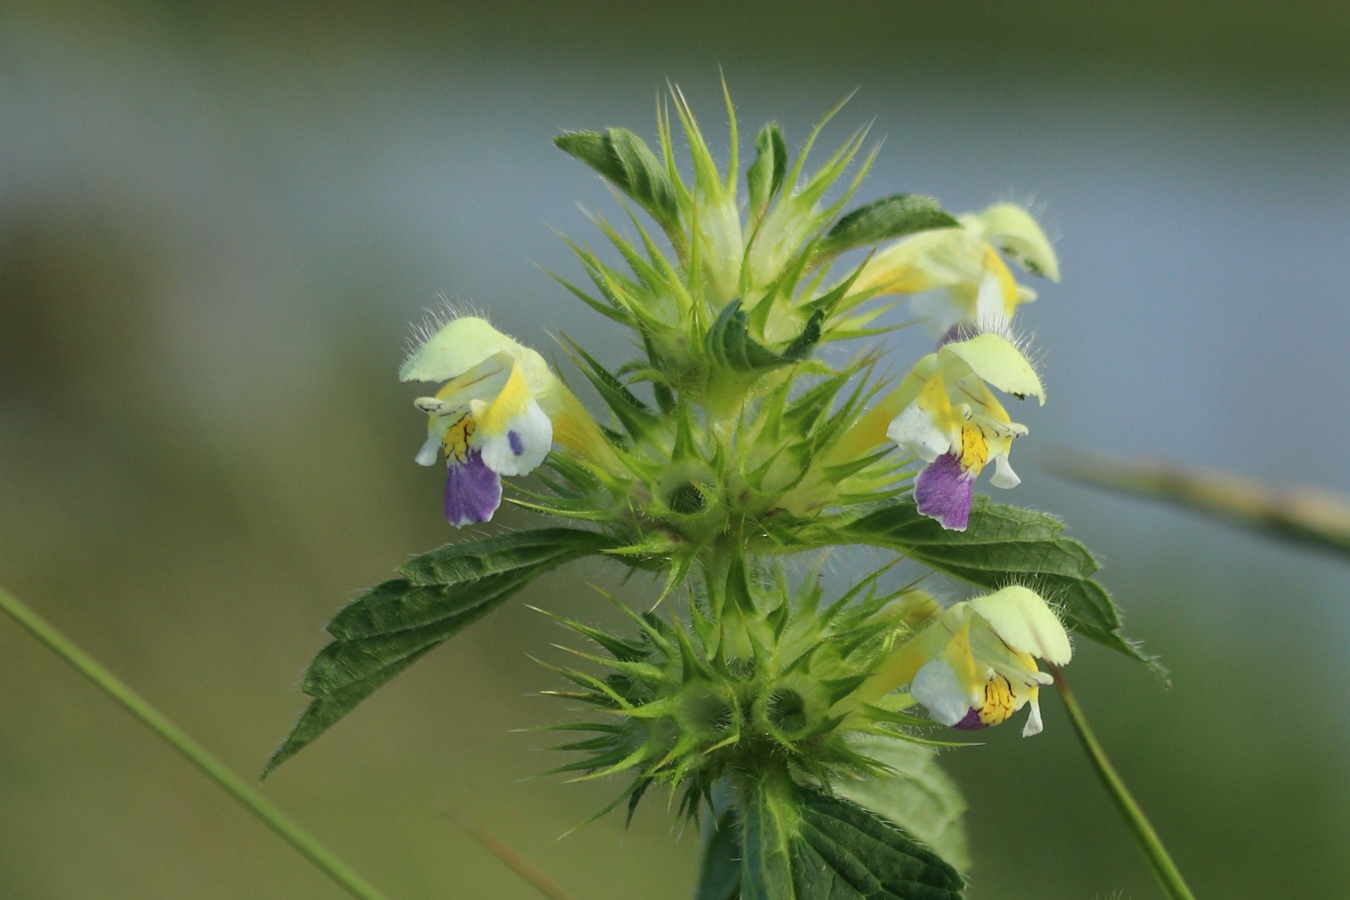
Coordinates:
(1025, 341)
(1052, 597)
(1039, 209)
(436, 318)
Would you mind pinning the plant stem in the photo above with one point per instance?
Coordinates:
(511, 858)
(1173, 885)
(195, 753)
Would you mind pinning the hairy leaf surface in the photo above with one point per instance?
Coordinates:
(887, 218)
(915, 794)
(625, 161)
(719, 876)
(766, 173)
(381, 633)
(804, 844)
(731, 345)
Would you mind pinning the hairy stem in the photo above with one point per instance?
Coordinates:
(1173, 885)
(195, 753)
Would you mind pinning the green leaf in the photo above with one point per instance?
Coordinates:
(765, 176)
(625, 160)
(889, 217)
(381, 633)
(1004, 545)
(468, 561)
(801, 844)
(845, 851)
(349, 660)
(915, 794)
(719, 877)
(730, 344)
(769, 824)
(325, 712)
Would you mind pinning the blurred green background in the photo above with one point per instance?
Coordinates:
(216, 222)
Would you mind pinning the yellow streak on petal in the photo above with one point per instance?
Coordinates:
(936, 402)
(988, 404)
(999, 701)
(907, 266)
(958, 655)
(479, 382)
(457, 437)
(575, 429)
(974, 449)
(509, 405)
(1006, 283)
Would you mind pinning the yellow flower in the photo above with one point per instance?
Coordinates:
(975, 664)
(486, 419)
(980, 293)
(949, 418)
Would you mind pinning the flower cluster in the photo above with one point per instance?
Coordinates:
(760, 417)
(734, 439)
(735, 361)
(806, 681)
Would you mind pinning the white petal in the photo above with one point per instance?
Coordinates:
(522, 446)
(430, 450)
(1024, 622)
(939, 310)
(991, 307)
(939, 690)
(915, 431)
(1034, 724)
(1004, 476)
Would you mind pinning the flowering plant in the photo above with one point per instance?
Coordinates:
(730, 443)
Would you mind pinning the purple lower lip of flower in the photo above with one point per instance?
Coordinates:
(943, 491)
(971, 722)
(517, 445)
(472, 491)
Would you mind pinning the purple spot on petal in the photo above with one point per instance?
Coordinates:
(517, 445)
(943, 491)
(971, 722)
(472, 491)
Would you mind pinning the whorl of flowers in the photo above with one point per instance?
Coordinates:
(728, 443)
(749, 442)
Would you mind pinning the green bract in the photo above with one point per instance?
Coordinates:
(726, 445)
